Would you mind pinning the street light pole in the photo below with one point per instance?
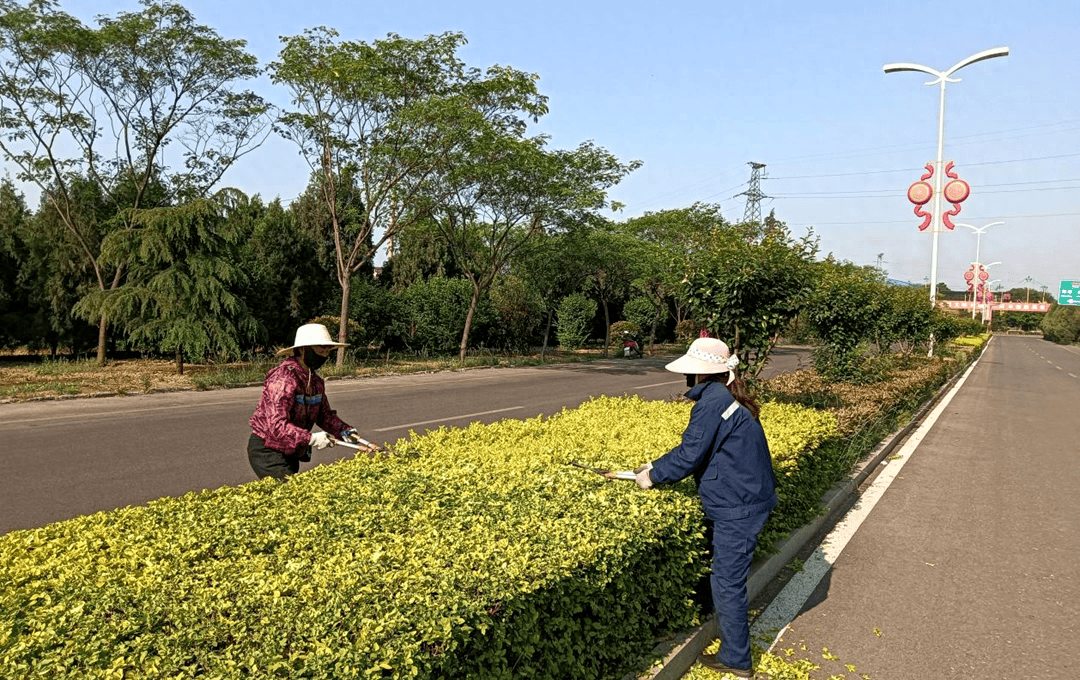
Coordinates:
(986, 314)
(979, 232)
(978, 241)
(941, 78)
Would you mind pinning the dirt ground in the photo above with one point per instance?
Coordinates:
(27, 380)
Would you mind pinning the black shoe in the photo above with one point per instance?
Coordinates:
(710, 661)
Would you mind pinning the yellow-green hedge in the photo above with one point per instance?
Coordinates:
(972, 340)
(478, 553)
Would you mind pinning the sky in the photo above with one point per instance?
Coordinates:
(698, 90)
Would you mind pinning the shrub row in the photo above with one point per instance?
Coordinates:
(477, 552)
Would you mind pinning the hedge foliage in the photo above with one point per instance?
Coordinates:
(476, 552)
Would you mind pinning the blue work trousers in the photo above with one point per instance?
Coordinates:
(733, 551)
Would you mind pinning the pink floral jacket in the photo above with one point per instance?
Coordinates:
(293, 400)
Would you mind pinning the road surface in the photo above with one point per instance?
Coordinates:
(67, 458)
(968, 565)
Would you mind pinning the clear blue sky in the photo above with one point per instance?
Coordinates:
(696, 90)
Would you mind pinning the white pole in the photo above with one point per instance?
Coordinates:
(942, 77)
(978, 243)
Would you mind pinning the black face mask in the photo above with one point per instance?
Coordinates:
(313, 360)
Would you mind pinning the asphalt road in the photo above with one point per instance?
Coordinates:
(67, 458)
(969, 564)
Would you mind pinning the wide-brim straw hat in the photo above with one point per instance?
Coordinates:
(312, 335)
(706, 356)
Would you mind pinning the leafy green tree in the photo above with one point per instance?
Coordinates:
(288, 284)
(643, 313)
(745, 286)
(904, 321)
(391, 114)
(672, 239)
(518, 308)
(183, 293)
(16, 312)
(1062, 325)
(552, 266)
(114, 105)
(576, 312)
(509, 190)
(844, 311)
(54, 271)
(609, 257)
(435, 313)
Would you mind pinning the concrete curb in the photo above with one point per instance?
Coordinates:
(682, 651)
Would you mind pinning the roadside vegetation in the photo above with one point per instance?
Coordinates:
(24, 377)
(437, 231)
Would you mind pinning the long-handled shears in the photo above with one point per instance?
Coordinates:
(364, 445)
(622, 474)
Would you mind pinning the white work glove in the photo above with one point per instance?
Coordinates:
(641, 476)
(321, 440)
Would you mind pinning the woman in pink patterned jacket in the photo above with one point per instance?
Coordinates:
(293, 401)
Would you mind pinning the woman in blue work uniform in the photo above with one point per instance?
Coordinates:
(724, 447)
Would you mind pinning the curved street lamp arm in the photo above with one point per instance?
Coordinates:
(985, 54)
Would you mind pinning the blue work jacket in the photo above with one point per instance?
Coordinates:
(724, 447)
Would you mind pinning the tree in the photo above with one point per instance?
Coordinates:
(111, 105)
(552, 266)
(183, 289)
(15, 308)
(508, 191)
(609, 257)
(288, 283)
(576, 313)
(669, 240)
(745, 286)
(391, 114)
(1062, 324)
(844, 311)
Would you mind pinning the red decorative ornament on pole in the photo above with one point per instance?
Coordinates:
(955, 192)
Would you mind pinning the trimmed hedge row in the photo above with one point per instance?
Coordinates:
(478, 553)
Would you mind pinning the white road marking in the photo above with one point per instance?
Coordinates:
(771, 624)
(663, 384)
(447, 419)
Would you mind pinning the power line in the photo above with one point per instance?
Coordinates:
(910, 169)
(988, 217)
(892, 193)
(971, 139)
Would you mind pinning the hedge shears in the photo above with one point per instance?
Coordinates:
(364, 445)
(622, 474)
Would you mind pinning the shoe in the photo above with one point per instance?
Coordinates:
(710, 661)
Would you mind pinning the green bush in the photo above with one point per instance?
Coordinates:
(575, 317)
(615, 333)
(1062, 325)
(475, 552)
(434, 315)
(640, 311)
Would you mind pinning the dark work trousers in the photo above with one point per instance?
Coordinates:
(267, 462)
(733, 546)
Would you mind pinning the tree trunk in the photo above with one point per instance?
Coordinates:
(102, 326)
(179, 361)
(607, 326)
(547, 331)
(468, 321)
(343, 320)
